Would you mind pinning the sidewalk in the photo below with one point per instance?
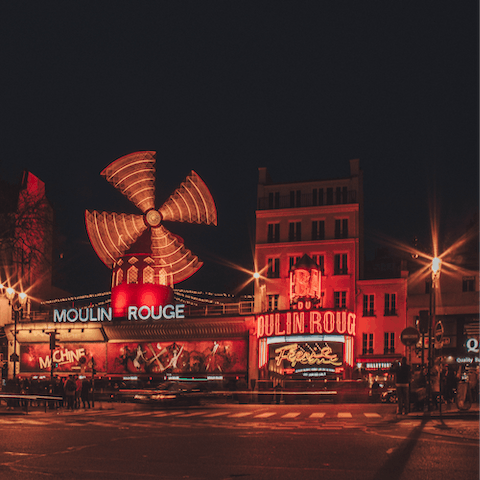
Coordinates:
(449, 411)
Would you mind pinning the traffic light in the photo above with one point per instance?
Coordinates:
(423, 320)
(53, 340)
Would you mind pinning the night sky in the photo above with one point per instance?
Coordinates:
(226, 87)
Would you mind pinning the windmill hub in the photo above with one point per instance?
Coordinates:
(153, 218)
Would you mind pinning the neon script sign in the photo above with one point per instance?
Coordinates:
(316, 356)
(301, 322)
(101, 314)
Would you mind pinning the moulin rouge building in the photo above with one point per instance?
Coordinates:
(313, 317)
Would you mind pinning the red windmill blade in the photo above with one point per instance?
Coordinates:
(112, 234)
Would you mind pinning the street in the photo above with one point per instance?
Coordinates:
(349, 441)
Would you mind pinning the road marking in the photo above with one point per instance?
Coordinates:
(344, 415)
(372, 415)
(265, 415)
(318, 415)
(217, 414)
(291, 415)
(241, 414)
(194, 414)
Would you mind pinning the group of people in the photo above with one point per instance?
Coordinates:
(412, 389)
(73, 390)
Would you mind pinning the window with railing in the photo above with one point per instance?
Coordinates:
(367, 343)
(318, 230)
(388, 343)
(341, 228)
(390, 304)
(317, 197)
(273, 232)
(368, 305)
(273, 268)
(295, 231)
(340, 264)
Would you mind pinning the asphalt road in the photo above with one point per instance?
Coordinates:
(124, 441)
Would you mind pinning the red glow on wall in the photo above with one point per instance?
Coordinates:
(136, 295)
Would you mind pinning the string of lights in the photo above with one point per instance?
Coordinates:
(72, 299)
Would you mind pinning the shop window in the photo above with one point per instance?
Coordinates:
(390, 304)
(273, 235)
(273, 270)
(368, 305)
(388, 343)
(294, 231)
(132, 275)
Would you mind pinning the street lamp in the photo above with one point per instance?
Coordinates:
(435, 274)
(22, 300)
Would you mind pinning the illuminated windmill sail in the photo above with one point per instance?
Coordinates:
(113, 234)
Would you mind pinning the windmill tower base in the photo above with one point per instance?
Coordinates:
(139, 295)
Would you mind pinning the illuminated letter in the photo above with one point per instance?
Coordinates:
(289, 323)
(144, 316)
(277, 325)
(341, 322)
(44, 364)
(329, 322)
(132, 313)
(308, 305)
(179, 310)
(59, 317)
(260, 326)
(75, 315)
(269, 325)
(315, 323)
(158, 315)
(351, 323)
(85, 318)
(298, 322)
(106, 314)
(92, 318)
(168, 315)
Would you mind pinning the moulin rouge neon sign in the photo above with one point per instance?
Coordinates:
(100, 314)
(305, 322)
(294, 354)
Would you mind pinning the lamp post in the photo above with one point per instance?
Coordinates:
(22, 300)
(435, 274)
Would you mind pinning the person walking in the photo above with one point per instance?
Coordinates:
(402, 382)
(70, 389)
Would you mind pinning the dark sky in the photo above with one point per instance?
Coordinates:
(226, 87)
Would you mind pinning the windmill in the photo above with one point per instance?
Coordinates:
(145, 257)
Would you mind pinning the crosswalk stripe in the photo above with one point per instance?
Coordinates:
(291, 415)
(372, 415)
(344, 415)
(217, 414)
(265, 415)
(241, 414)
(194, 414)
(318, 415)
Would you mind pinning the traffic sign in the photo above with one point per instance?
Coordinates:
(410, 336)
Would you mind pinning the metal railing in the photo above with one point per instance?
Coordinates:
(306, 200)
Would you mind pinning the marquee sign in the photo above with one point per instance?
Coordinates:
(101, 314)
(305, 322)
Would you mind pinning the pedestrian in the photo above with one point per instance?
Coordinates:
(402, 383)
(435, 383)
(70, 389)
(85, 393)
(78, 391)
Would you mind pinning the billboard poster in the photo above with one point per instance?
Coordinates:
(67, 358)
(310, 359)
(183, 357)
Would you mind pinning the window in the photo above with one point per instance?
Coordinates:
(273, 270)
(368, 305)
(340, 299)
(388, 343)
(148, 275)
(274, 200)
(344, 195)
(320, 261)
(295, 198)
(390, 304)
(317, 196)
(340, 264)
(273, 233)
(293, 261)
(468, 284)
(273, 302)
(119, 276)
(367, 343)
(338, 195)
(341, 228)
(318, 230)
(329, 196)
(294, 231)
(132, 275)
